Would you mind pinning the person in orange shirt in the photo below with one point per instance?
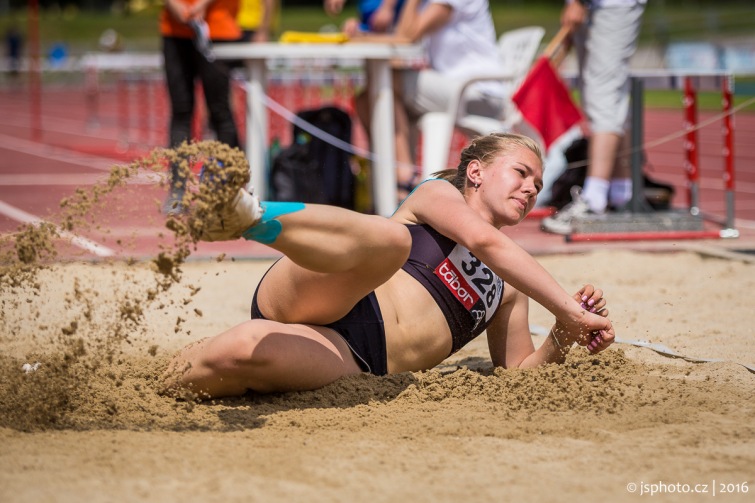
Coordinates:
(188, 29)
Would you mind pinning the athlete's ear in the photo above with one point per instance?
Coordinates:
(474, 173)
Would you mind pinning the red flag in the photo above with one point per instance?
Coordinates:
(545, 102)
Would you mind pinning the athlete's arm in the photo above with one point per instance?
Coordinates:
(510, 341)
(440, 205)
(413, 24)
(508, 333)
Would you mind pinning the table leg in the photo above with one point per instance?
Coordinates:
(256, 126)
(383, 141)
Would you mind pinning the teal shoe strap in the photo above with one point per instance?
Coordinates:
(266, 231)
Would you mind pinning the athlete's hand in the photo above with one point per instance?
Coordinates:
(601, 340)
(593, 331)
(591, 299)
(590, 328)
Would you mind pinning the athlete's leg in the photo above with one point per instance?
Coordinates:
(264, 356)
(216, 82)
(333, 258)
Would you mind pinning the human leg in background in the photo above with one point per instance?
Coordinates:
(620, 189)
(180, 72)
(405, 170)
(333, 258)
(602, 157)
(609, 42)
(405, 162)
(216, 83)
(604, 47)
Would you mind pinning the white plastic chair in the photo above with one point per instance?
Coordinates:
(517, 50)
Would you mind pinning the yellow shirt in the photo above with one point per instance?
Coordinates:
(250, 14)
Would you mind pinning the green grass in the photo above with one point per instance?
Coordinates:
(705, 100)
(663, 23)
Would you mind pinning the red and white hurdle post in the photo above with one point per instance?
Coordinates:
(691, 153)
(728, 156)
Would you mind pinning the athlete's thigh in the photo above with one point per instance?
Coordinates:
(301, 357)
(290, 293)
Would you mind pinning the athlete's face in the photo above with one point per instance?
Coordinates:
(512, 182)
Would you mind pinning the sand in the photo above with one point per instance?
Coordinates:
(89, 423)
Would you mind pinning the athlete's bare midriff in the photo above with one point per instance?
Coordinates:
(416, 332)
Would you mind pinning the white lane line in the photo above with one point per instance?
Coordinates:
(46, 151)
(57, 124)
(76, 179)
(82, 242)
(59, 154)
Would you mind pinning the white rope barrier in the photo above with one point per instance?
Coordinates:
(290, 116)
(672, 136)
(310, 128)
(658, 348)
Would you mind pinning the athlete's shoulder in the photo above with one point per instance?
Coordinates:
(435, 187)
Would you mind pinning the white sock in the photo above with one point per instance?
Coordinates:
(620, 192)
(595, 193)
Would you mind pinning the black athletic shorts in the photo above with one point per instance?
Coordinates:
(362, 329)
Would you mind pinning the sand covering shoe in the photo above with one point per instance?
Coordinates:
(239, 214)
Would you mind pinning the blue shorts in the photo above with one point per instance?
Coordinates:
(363, 330)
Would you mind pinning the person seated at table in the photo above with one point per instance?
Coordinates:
(461, 43)
(375, 16)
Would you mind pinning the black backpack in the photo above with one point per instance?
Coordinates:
(312, 170)
(657, 194)
(576, 155)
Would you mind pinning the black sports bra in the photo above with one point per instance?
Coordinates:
(466, 290)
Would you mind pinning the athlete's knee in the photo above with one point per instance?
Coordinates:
(239, 349)
(395, 240)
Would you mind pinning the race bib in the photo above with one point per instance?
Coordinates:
(473, 284)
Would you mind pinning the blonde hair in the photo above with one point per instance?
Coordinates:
(484, 149)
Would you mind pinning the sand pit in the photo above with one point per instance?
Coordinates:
(89, 425)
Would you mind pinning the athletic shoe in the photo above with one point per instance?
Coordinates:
(562, 222)
(241, 213)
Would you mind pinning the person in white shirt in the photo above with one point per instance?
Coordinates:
(461, 43)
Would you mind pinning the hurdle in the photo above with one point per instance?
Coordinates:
(135, 104)
(136, 76)
(642, 222)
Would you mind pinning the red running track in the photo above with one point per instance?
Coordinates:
(41, 166)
